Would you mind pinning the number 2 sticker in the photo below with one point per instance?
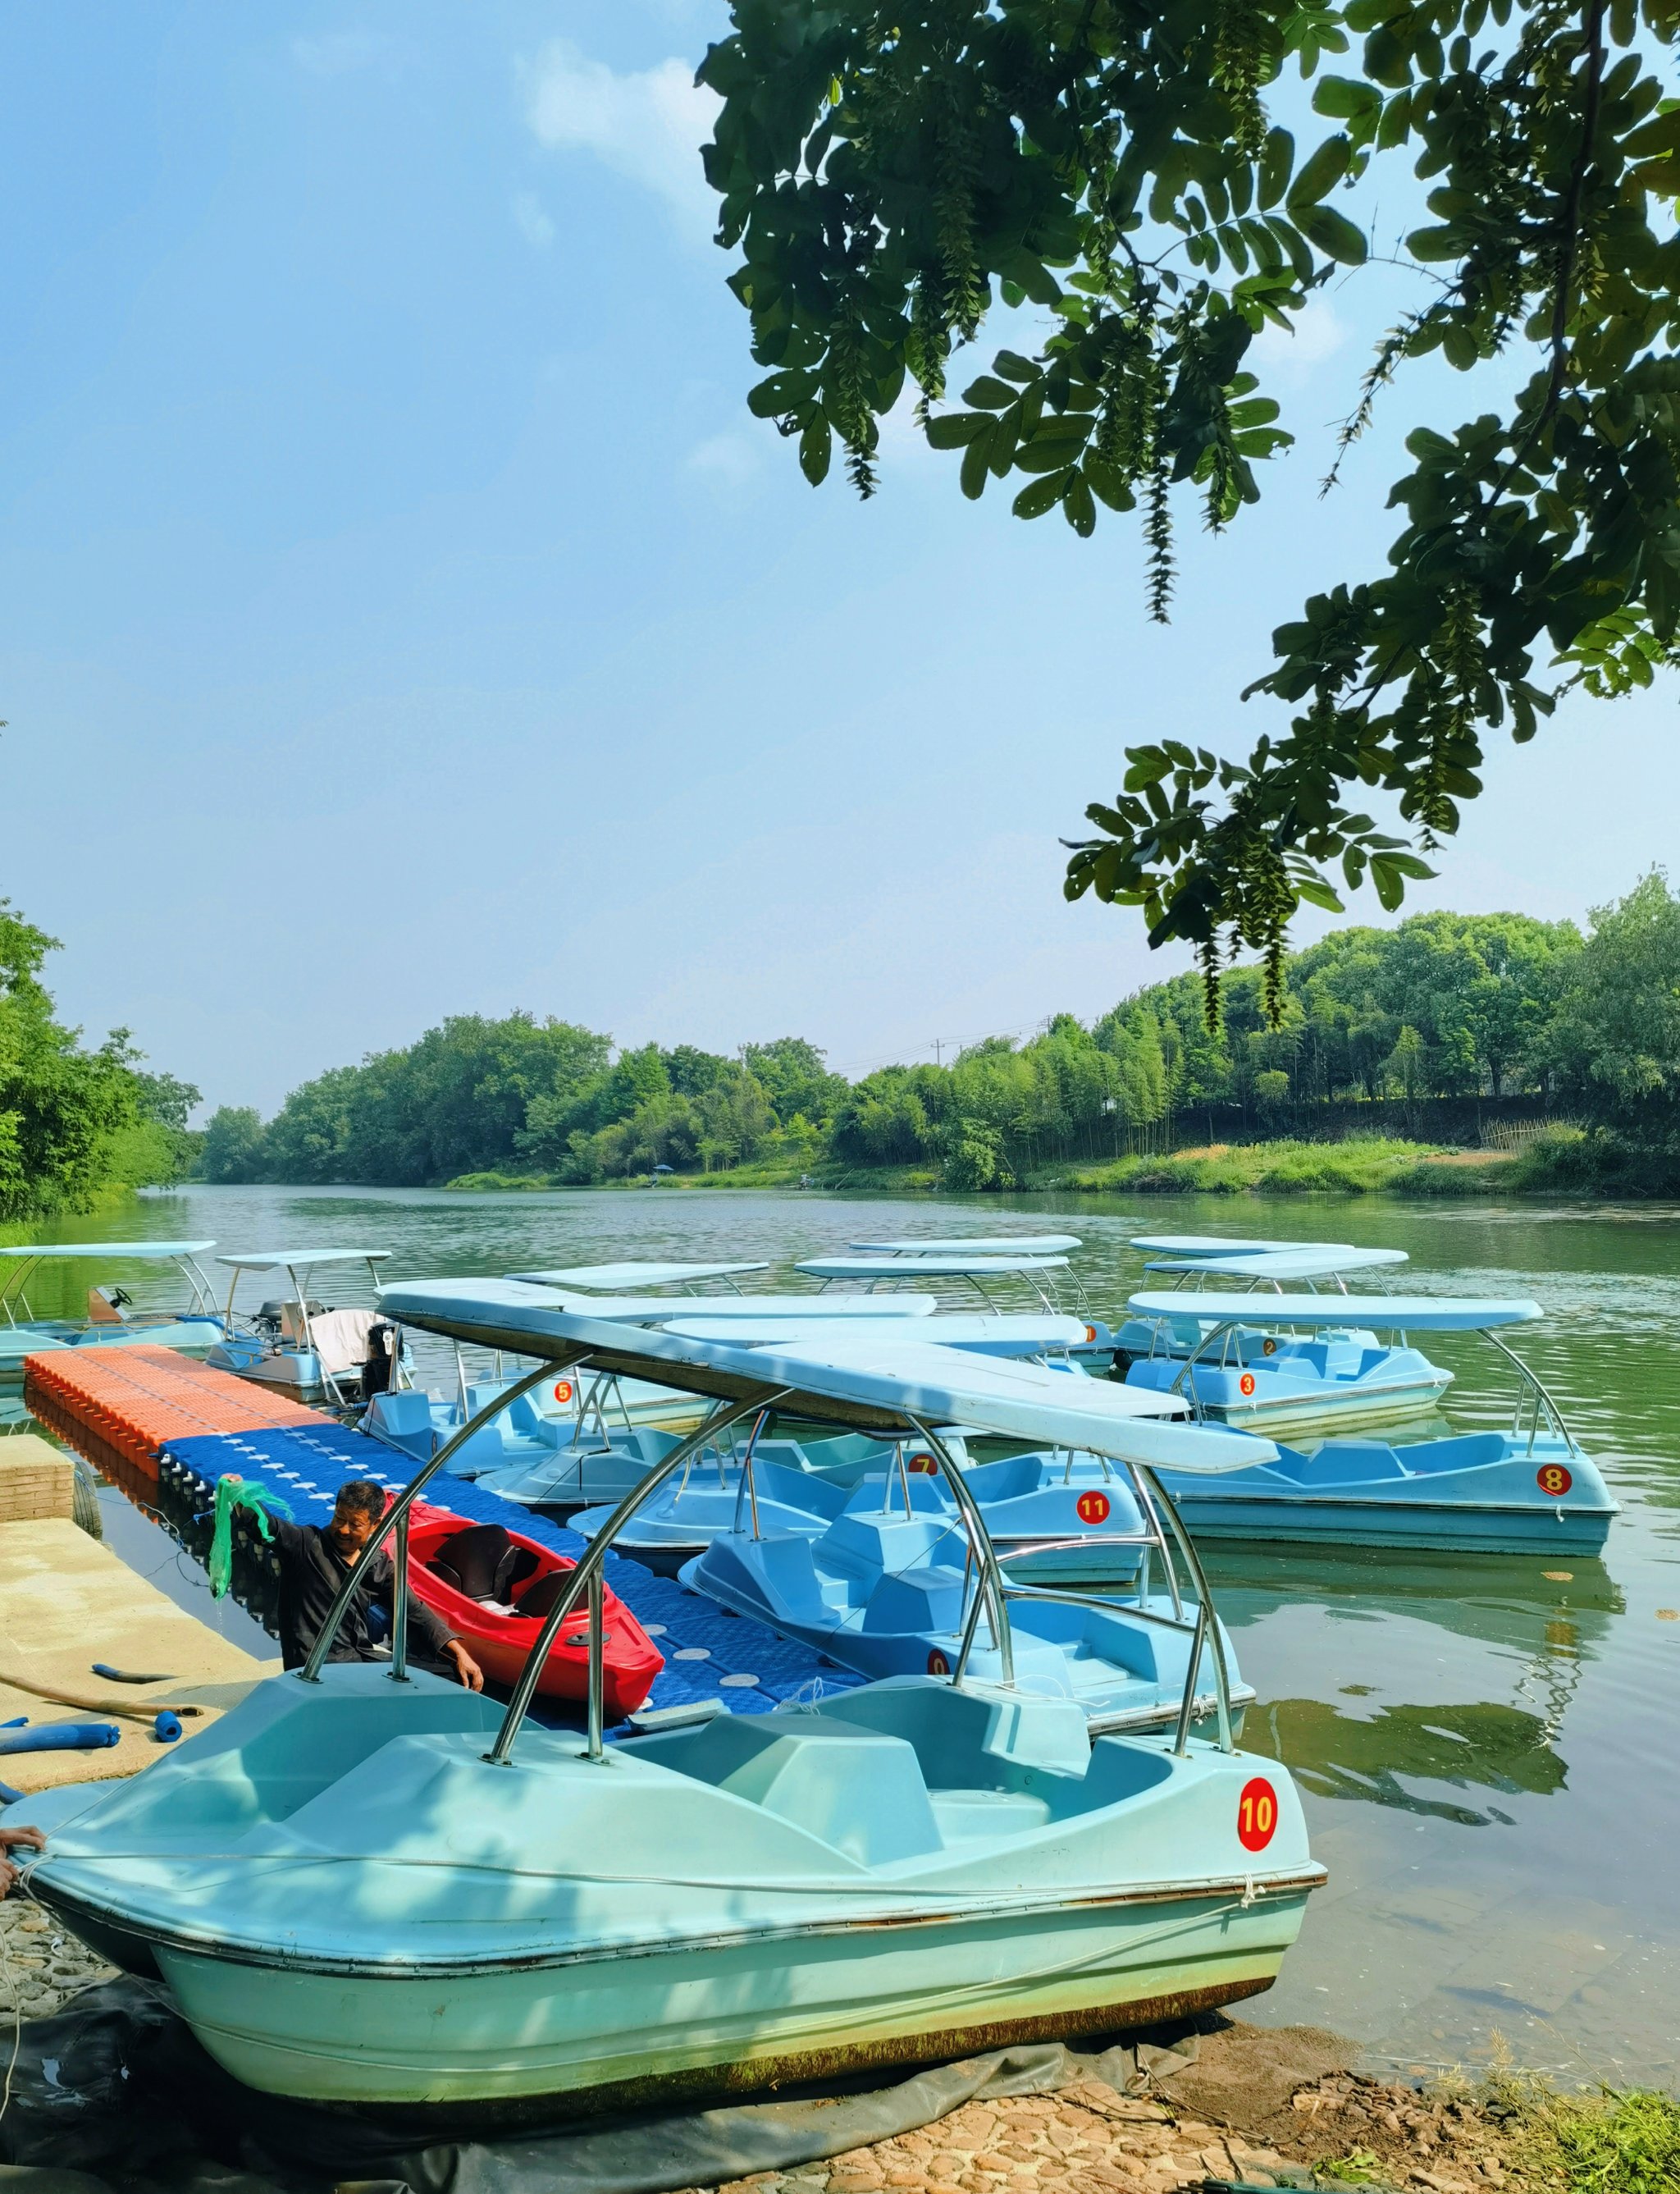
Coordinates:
(1552, 1478)
(1256, 1814)
(1091, 1507)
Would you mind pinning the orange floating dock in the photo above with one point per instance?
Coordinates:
(132, 1401)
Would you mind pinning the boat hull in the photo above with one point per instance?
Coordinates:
(722, 2016)
(1443, 1526)
(187, 1336)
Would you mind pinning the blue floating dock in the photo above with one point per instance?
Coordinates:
(707, 1654)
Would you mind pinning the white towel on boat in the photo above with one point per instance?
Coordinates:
(341, 1338)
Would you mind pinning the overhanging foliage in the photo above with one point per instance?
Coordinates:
(890, 172)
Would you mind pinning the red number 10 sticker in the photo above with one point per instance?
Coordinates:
(1256, 1814)
(1552, 1478)
(1091, 1507)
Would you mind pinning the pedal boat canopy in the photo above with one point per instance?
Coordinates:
(631, 1273)
(1401, 1313)
(889, 1384)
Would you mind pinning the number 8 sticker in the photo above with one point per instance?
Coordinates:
(1552, 1478)
(1256, 1814)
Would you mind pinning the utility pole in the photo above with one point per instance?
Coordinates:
(938, 1055)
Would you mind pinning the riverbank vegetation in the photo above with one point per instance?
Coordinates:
(1453, 1054)
(77, 1124)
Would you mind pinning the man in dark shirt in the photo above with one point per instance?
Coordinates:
(313, 1565)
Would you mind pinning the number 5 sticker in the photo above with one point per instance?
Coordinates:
(1256, 1814)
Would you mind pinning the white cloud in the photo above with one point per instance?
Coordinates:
(646, 125)
(729, 464)
(532, 223)
(338, 51)
(1318, 335)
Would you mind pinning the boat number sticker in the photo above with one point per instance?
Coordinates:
(563, 1390)
(1552, 1478)
(1269, 1346)
(924, 1463)
(937, 1665)
(1256, 1814)
(1091, 1507)
(1245, 1385)
(1091, 1333)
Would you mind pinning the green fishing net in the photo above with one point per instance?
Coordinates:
(232, 1493)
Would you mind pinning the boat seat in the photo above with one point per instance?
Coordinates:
(927, 1598)
(404, 1411)
(859, 1790)
(973, 1816)
(483, 1562)
(539, 1598)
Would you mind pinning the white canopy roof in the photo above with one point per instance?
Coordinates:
(881, 1385)
(998, 1335)
(958, 1267)
(662, 1310)
(1210, 1245)
(269, 1261)
(632, 1272)
(139, 1250)
(991, 1245)
(1282, 1264)
(1413, 1314)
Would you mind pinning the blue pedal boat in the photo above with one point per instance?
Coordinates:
(1048, 1511)
(373, 1888)
(303, 1349)
(1525, 1490)
(1257, 1372)
(112, 1318)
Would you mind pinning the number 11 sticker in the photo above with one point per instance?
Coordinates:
(1256, 1814)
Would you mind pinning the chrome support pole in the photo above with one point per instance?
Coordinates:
(399, 1602)
(984, 1553)
(310, 1670)
(597, 1668)
(751, 1484)
(1146, 1502)
(1531, 1380)
(593, 1562)
(1205, 1603)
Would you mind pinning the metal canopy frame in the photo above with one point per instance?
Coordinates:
(185, 1261)
(737, 1396)
(291, 1267)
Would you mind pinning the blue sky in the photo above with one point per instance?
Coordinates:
(404, 616)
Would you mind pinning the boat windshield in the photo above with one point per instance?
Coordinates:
(19, 1260)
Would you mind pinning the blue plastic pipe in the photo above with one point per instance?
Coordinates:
(60, 1736)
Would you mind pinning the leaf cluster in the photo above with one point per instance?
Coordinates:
(889, 174)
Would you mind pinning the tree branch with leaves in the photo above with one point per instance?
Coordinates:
(890, 174)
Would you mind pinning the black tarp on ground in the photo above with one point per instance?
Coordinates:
(114, 2096)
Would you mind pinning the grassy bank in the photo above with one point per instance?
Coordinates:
(1564, 1161)
(774, 1174)
(1367, 1166)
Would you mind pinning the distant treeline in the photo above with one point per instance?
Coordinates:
(75, 1124)
(1444, 1006)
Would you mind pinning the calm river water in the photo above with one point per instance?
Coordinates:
(1489, 1748)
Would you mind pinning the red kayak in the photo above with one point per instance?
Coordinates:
(492, 1586)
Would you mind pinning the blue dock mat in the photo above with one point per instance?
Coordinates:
(707, 1653)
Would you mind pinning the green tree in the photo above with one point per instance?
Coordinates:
(794, 1076)
(66, 1112)
(233, 1148)
(890, 173)
(1616, 1041)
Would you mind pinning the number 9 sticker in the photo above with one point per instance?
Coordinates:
(1256, 1814)
(1552, 1478)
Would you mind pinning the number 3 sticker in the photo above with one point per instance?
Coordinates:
(1256, 1814)
(1245, 1385)
(1552, 1478)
